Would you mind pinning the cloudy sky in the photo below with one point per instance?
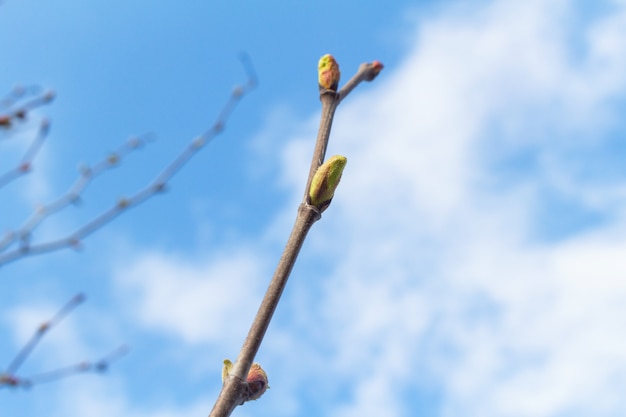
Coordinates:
(471, 263)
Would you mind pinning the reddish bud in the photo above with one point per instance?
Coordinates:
(328, 73)
(373, 70)
(257, 382)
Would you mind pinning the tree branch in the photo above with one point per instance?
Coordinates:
(23, 236)
(233, 391)
(8, 378)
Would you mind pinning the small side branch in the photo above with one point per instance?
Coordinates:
(15, 108)
(8, 378)
(16, 111)
(41, 331)
(25, 165)
(99, 366)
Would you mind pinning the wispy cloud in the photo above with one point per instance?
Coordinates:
(192, 300)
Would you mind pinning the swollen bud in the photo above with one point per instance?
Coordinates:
(377, 67)
(325, 181)
(328, 73)
(228, 366)
(257, 382)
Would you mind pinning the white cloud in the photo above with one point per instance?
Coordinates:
(206, 300)
(100, 397)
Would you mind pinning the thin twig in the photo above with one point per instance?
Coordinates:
(41, 331)
(72, 196)
(25, 165)
(367, 72)
(18, 93)
(99, 366)
(232, 393)
(18, 113)
(8, 378)
(158, 185)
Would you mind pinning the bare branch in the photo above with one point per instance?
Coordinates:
(11, 111)
(99, 366)
(41, 331)
(8, 378)
(23, 235)
(26, 164)
(233, 391)
(18, 93)
(20, 112)
(367, 72)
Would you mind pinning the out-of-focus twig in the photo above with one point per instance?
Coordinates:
(23, 236)
(41, 331)
(8, 378)
(14, 108)
(99, 366)
(16, 111)
(86, 175)
(19, 92)
(25, 165)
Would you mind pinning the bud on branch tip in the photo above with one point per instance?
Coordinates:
(328, 73)
(325, 181)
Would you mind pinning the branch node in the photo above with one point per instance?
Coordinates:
(326, 92)
(198, 142)
(113, 159)
(48, 96)
(159, 187)
(75, 243)
(238, 91)
(43, 327)
(123, 202)
(134, 143)
(85, 170)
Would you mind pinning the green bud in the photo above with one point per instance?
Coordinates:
(328, 73)
(228, 366)
(325, 181)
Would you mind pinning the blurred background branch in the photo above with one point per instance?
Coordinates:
(18, 243)
(10, 379)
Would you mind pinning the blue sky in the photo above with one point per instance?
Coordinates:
(471, 262)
